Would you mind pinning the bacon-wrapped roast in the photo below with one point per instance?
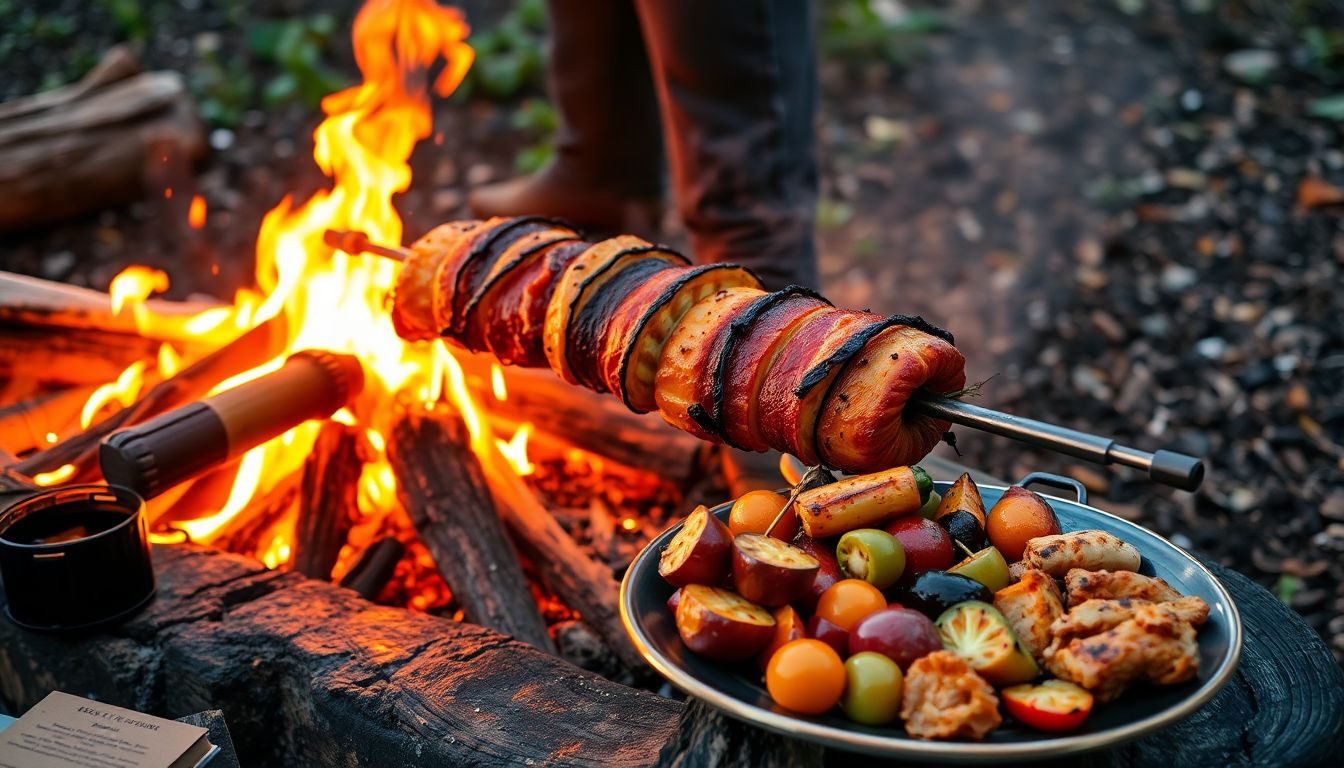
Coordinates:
(705, 346)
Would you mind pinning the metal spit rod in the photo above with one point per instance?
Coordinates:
(1167, 467)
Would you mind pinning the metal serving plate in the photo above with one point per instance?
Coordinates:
(739, 690)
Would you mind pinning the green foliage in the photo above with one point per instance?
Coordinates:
(1287, 586)
(297, 47)
(509, 57)
(129, 18)
(833, 214)
(223, 90)
(1327, 107)
(536, 117)
(866, 29)
(1325, 46)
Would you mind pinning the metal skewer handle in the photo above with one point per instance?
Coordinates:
(1167, 467)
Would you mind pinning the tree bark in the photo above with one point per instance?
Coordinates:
(707, 738)
(442, 488)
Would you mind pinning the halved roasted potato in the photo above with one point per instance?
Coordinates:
(413, 300)
(683, 387)
(864, 426)
(584, 275)
(645, 319)
(756, 340)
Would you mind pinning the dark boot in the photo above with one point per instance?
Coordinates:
(608, 165)
(737, 84)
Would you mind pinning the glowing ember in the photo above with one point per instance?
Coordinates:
(196, 213)
(56, 476)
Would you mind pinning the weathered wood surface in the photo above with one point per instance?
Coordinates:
(707, 738)
(32, 302)
(444, 492)
(97, 143)
(328, 500)
(307, 673)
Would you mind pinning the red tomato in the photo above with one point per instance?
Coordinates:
(1054, 705)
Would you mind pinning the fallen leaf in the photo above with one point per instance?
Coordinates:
(1315, 192)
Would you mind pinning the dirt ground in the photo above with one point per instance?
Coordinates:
(1130, 213)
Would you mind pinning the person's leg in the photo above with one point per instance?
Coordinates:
(608, 166)
(737, 84)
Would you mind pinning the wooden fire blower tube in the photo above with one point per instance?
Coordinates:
(176, 446)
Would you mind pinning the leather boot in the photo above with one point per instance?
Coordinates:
(737, 84)
(607, 169)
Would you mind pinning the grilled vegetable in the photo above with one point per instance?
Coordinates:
(769, 571)
(863, 501)
(962, 513)
(830, 633)
(978, 633)
(722, 625)
(1016, 518)
(872, 689)
(585, 275)
(755, 340)
(789, 626)
(871, 554)
(641, 326)
(1054, 705)
(930, 507)
(682, 389)
(827, 574)
(699, 553)
(898, 633)
(986, 566)
(848, 602)
(934, 592)
(863, 422)
(1089, 550)
(754, 511)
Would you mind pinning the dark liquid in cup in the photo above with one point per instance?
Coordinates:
(66, 522)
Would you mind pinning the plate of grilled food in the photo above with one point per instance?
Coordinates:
(878, 611)
(889, 614)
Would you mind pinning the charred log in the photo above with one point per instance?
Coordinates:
(445, 494)
(328, 500)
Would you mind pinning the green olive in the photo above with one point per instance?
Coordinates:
(871, 554)
(930, 507)
(987, 567)
(872, 688)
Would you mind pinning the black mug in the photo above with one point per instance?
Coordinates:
(75, 558)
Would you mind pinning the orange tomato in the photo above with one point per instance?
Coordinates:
(1018, 517)
(806, 676)
(850, 601)
(755, 510)
(789, 626)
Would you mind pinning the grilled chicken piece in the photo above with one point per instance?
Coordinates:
(640, 326)
(683, 387)
(943, 698)
(1154, 644)
(1089, 550)
(1112, 585)
(765, 328)
(864, 425)
(1092, 616)
(795, 386)
(1031, 606)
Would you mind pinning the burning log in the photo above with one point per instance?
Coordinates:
(328, 500)
(374, 568)
(314, 675)
(444, 492)
(94, 143)
(247, 351)
(28, 424)
(31, 302)
(64, 358)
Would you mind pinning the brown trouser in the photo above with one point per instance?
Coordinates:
(736, 83)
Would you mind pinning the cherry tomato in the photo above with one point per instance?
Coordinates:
(1018, 517)
(805, 676)
(788, 626)
(1054, 705)
(872, 688)
(848, 602)
(755, 510)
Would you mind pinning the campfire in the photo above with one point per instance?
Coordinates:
(407, 490)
